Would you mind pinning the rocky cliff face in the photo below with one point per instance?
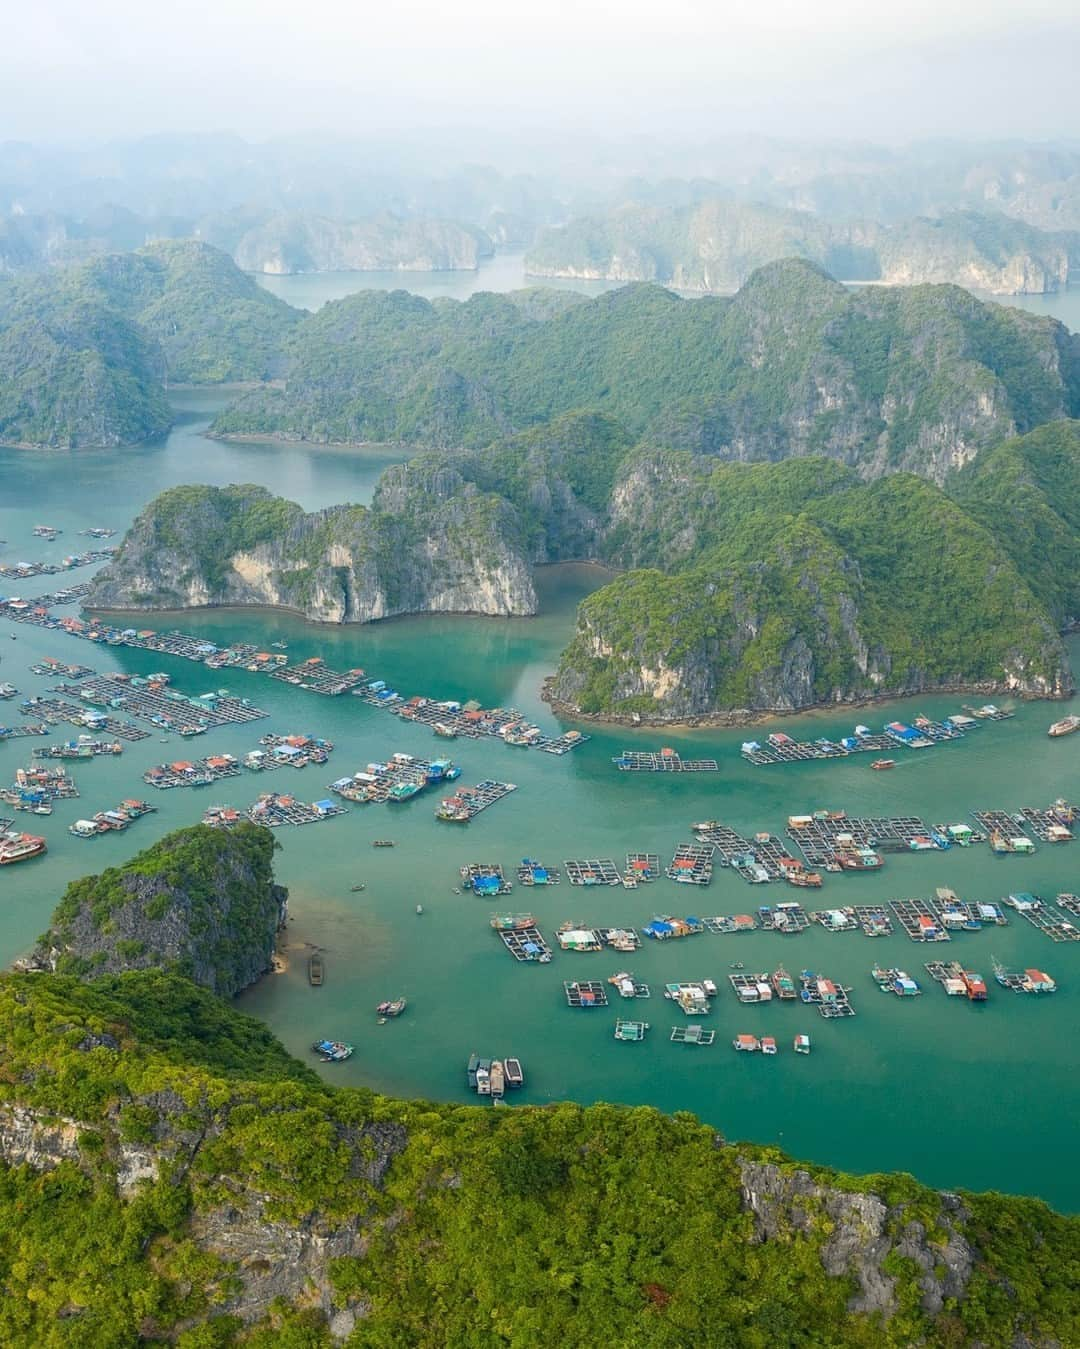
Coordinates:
(200, 901)
(287, 244)
(431, 543)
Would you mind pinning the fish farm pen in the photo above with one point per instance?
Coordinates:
(23, 571)
(55, 710)
(485, 878)
(194, 773)
(274, 810)
(764, 859)
(69, 595)
(585, 993)
(667, 761)
(149, 699)
(819, 836)
(875, 921)
(315, 676)
(643, 866)
(628, 986)
(1051, 825)
(468, 802)
(631, 1030)
(535, 873)
(592, 871)
(388, 781)
(623, 939)
(920, 920)
(921, 734)
(526, 944)
(57, 669)
(692, 864)
(788, 918)
(54, 783)
(1055, 922)
(22, 731)
(831, 999)
(84, 748)
(836, 920)
(722, 925)
(692, 1035)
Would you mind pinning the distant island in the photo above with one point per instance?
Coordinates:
(745, 589)
(715, 245)
(174, 1175)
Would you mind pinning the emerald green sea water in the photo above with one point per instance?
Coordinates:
(981, 1097)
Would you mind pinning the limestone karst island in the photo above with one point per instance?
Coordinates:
(539, 630)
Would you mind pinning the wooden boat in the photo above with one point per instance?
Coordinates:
(881, 764)
(16, 847)
(497, 1078)
(315, 970)
(391, 1008)
(382, 843)
(1065, 726)
(332, 1051)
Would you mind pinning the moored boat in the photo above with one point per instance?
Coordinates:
(315, 969)
(18, 847)
(1065, 726)
(497, 1079)
(393, 1007)
(802, 1044)
(332, 1051)
(515, 1075)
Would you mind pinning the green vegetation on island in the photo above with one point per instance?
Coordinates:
(917, 378)
(172, 1176)
(200, 902)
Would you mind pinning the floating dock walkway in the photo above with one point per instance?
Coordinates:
(692, 1035)
(788, 918)
(192, 773)
(1047, 917)
(55, 710)
(592, 871)
(920, 920)
(921, 734)
(585, 993)
(468, 802)
(692, 864)
(526, 944)
(765, 859)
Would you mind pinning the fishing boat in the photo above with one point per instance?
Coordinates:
(332, 1051)
(802, 1044)
(17, 847)
(391, 1008)
(315, 970)
(1065, 726)
(881, 764)
(512, 922)
(447, 732)
(403, 791)
(470, 1070)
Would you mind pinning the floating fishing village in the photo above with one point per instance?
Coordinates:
(605, 953)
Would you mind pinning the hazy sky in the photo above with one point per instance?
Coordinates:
(72, 69)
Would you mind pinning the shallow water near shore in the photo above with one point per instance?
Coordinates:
(962, 1095)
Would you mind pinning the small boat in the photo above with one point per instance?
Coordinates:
(355, 889)
(737, 965)
(515, 1076)
(768, 1044)
(315, 970)
(382, 843)
(881, 764)
(802, 1044)
(1065, 726)
(470, 1070)
(280, 646)
(332, 1051)
(391, 1008)
(419, 908)
(497, 1078)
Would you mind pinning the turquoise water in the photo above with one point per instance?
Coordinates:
(961, 1095)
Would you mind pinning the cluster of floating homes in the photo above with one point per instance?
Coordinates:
(448, 718)
(36, 788)
(25, 571)
(399, 779)
(491, 1077)
(111, 821)
(274, 809)
(922, 733)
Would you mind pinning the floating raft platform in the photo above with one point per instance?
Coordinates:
(315, 676)
(831, 999)
(468, 802)
(1023, 981)
(57, 669)
(722, 925)
(1048, 918)
(526, 944)
(643, 866)
(630, 1030)
(535, 873)
(1070, 903)
(585, 993)
(1052, 825)
(86, 747)
(55, 784)
(787, 918)
(274, 810)
(192, 773)
(592, 871)
(692, 998)
(55, 710)
(1005, 832)
(873, 919)
(150, 699)
(920, 920)
(692, 864)
(485, 878)
(957, 981)
(921, 734)
(666, 761)
(821, 837)
(837, 920)
(765, 859)
(23, 571)
(664, 927)
(896, 981)
(692, 1035)
(623, 939)
(629, 987)
(751, 987)
(22, 731)
(401, 777)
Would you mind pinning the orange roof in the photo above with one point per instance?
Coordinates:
(181, 766)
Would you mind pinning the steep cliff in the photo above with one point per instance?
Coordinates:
(919, 378)
(170, 1175)
(715, 245)
(302, 242)
(200, 901)
(431, 542)
(774, 588)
